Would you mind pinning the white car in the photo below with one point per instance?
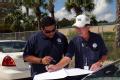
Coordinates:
(12, 65)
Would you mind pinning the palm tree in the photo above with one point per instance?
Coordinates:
(14, 19)
(27, 4)
(79, 6)
(38, 4)
(117, 38)
(50, 7)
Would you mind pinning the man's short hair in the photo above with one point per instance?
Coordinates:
(47, 21)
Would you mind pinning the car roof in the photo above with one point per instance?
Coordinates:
(12, 41)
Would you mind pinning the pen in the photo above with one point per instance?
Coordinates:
(53, 60)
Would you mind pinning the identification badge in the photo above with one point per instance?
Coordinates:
(86, 67)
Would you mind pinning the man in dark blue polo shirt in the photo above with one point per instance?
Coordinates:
(45, 47)
(87, 47)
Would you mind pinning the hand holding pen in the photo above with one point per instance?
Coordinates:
(47, 60)
(51, 63)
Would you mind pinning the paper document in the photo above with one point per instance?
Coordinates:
(51, 75)
(77, 71)
(61, 74)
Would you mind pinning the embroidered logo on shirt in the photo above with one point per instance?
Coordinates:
(94, 45)
(59, 40)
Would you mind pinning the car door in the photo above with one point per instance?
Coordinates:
(109, 72)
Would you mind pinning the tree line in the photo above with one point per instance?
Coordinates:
(17, 21)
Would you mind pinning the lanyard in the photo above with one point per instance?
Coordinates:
(85, 48)
(81, 47)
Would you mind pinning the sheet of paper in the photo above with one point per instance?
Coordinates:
(77, 71)
(51, 75)
(61, 74)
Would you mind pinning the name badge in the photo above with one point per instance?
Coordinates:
(86, 67)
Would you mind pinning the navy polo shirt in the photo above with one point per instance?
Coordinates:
(40, 46)
(86, 52)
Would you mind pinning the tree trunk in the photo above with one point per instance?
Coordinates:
(27, 11)
(117, 38)
(52, 14)
(38, 14)
(52, 11)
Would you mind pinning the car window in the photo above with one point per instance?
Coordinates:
(109, 72)
(12, 46)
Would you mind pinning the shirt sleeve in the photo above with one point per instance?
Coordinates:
(29, 48)
(71, 49)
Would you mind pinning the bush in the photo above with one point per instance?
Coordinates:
(114, 53)
(4, 28)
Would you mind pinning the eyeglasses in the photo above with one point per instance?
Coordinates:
(49, 31)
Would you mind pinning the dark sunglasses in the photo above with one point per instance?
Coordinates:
(49, 31)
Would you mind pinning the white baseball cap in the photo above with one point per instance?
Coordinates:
(81, 21)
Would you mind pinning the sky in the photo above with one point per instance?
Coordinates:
(103, 10)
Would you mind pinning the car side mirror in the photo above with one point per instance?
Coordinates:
(110, 70)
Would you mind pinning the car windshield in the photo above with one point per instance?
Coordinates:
(12, 46)
(108, 72)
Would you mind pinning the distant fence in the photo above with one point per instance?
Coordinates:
(16, 35)
(97, 29)
(25, 35)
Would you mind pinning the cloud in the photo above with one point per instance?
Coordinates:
(109, 17)
(63, 13)
(103, 11)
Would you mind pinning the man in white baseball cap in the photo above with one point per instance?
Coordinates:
(82, 25)
(81, 21)
(87, 47)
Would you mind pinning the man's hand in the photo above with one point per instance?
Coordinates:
(46, 60)
(52, 68)
(63, 62)
(96, 66)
